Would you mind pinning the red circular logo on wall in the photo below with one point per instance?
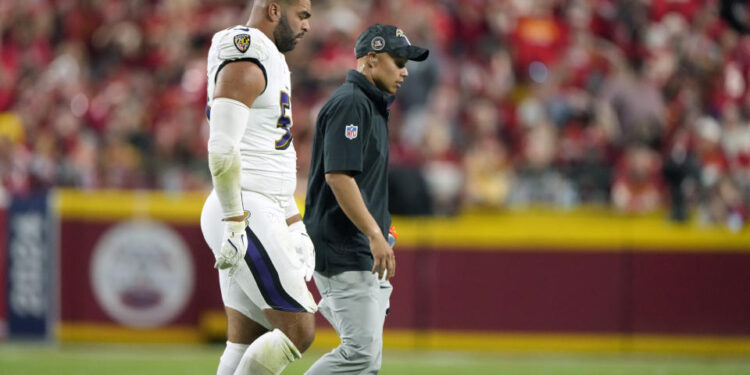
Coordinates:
(142, 273)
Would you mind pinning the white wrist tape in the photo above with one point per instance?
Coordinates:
(291, 209)
(228, 122)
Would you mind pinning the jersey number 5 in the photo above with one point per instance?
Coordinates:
(284, 122)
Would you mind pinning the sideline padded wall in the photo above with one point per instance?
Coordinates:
(134, 268)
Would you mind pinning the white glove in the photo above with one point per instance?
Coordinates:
(304, 247)
(233, 246)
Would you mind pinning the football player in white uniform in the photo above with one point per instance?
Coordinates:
(250, 220)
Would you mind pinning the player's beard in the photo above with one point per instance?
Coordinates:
(284, 35)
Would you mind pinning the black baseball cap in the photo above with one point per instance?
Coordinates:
(387, 38)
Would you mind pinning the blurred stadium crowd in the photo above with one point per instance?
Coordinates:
(641, 105)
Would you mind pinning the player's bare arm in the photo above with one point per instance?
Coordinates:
(347, 193)
(242, 81)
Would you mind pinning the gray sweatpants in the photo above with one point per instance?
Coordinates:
(355, 303)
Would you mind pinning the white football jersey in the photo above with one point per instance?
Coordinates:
(269, 161)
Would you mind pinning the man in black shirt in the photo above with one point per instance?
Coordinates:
(346, 210)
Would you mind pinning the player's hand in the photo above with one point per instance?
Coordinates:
(383, 257)
(304, 247)
(233, 246)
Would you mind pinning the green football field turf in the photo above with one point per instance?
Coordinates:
(25, 359)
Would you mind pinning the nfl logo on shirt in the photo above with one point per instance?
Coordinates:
(351, 131)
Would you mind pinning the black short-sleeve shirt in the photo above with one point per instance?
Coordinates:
(351, 136)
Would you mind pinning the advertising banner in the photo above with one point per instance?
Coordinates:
(31, 266)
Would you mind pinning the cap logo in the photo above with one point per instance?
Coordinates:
(378, 43)
(351, 131)
(242, 42)
(400, 33)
